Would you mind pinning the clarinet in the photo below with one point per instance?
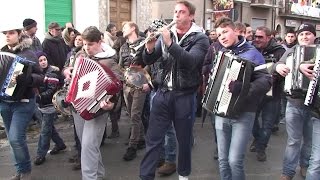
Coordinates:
(313, 85)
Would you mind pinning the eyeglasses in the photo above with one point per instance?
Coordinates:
(58, 29)
(259, 37)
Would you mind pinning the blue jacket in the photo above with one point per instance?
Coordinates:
(260, 79)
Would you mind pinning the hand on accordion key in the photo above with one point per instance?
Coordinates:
(106, 105)
(67, 72)
(235, 87)
(307, 70)
(282, 69)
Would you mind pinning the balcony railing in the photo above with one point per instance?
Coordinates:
(267, 3)
(296, 10)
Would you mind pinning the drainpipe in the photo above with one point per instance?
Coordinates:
(204, 21)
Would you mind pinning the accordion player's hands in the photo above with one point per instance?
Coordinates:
(23, 78)
(67, 72)
(106, 105)
(282, 69)
(307, 70)
(235, 87)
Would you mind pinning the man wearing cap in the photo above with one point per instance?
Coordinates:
(15, 110)
(30, 29)
(54, 46)
(298, 116)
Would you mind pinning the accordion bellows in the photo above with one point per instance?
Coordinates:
(91, 83)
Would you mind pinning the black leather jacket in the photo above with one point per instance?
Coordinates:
(181, 63)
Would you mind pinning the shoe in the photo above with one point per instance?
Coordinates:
(160, 162)
(23, 176)
(261, 156)
(303, 171)
(183, 177)
(141, 145)
(76, 166)
(39, 160)
(167, 169)
(275, 128)
(1, 128)
(114, 135)
(253, 146)
(130, 154)
(215, 154)
(285, 177)
(57, 149)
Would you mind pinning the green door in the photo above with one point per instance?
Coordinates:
(59, 11)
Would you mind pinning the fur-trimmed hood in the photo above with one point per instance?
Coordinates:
(25, 42)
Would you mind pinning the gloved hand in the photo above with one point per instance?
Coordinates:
(235, 87)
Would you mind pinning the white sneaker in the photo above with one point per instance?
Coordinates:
(183, 177)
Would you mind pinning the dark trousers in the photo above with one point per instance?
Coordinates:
(269, 110)
(168, 107)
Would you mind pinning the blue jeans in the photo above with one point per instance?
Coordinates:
(268, 111)
(48, 132)
(299, 129)
(233, 136)
(313, 172)
(16, 117)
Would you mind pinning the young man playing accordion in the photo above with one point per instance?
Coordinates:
(90, 132)
(298, 116)
(233, 133)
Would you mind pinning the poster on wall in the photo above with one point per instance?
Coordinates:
(222, 8)
(305, 7)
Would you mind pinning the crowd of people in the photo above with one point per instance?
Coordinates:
(162, 111)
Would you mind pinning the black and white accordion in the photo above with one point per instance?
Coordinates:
(313, 88)
(295, 81)
(217, 99)
(12, 65)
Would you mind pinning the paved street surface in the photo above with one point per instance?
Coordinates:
(204, 167)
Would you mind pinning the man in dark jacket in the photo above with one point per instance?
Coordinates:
(54, 46)
(233, 133)
(298, 116)
(183, 51)
(270, 106)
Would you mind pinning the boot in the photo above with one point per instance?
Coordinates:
(130, 154)
(167, 169)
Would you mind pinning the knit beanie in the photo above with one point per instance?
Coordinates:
(307, 27)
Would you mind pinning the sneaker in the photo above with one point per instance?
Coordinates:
(57, 149)
(130, 154)
(253, 146)
(183, 177)
(261, 156)
(141, 145)
(23, 176)
(114, 135)
(39, 160)
(167, 169)
(285, 177)
(303, 171)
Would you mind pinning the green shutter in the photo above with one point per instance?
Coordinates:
(59, 11)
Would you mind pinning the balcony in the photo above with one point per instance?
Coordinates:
(267, 3)
(296, 11)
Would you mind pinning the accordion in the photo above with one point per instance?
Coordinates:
(313, 88)
(11, 66)
(91, 83)
(295, 80)
(217, 99)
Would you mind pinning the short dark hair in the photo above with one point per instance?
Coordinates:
(291, 30)
(266, 30)
(224, 22)
(91, 34)
(191, 7)
(110, 26)
(247, 25)
(241, 27)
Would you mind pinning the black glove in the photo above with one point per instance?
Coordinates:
(235, 87)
